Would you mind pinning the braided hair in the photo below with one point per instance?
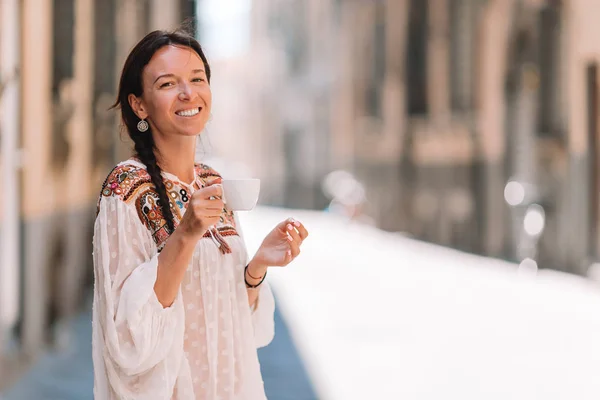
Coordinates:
(131, 83)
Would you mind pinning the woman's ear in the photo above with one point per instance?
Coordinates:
(137, 106)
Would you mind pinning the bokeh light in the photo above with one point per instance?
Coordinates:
(514, 193)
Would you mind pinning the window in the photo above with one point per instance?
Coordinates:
(461, 54)
(549, 53)
(377, 60)
(62, 78)
(64, 42)
(105, 48)
(294, 26)
(416, 58)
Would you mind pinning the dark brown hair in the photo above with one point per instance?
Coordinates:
(131, 83)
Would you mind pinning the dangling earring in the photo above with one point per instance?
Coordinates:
(142, 126)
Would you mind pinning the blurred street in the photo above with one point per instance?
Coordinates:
(375, 315)
(444, 155)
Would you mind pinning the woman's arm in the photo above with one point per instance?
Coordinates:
(279, 248)
(202, 212)
(254, 275)
(136, 335)
(172, 264)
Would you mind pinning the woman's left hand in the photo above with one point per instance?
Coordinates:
(281, 245)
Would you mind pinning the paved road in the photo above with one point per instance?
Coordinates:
(68, 375)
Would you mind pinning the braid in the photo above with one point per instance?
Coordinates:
(144, 147)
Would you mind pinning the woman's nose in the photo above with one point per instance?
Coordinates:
(186, 92)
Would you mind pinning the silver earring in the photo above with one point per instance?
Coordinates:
(142, 126)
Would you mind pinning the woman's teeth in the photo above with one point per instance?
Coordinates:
(188, 113)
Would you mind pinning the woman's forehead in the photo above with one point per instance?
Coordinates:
(174, 60)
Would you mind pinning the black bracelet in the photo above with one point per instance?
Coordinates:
(249, 286)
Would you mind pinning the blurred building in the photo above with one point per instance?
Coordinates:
(435, 106)
(59, 67)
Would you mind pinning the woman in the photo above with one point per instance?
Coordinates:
(178, 310)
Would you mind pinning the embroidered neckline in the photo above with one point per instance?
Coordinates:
(130, 181)
(166, 174)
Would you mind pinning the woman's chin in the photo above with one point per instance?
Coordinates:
(191, 131)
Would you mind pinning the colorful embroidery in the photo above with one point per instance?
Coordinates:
(224, 231)
(124, 180)
(133, 184)
(148, 208)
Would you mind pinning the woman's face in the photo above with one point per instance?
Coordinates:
(177, 97)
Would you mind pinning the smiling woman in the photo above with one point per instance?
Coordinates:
(175, 76)
(178, 309)
(182, 92)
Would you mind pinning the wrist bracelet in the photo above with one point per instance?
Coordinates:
(248, 285)
(248, 272)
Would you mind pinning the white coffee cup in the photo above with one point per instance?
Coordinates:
(240, 194)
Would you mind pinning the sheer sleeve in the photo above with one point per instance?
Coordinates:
(263, 314)
(138, 344)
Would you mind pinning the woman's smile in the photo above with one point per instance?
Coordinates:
(189, 112)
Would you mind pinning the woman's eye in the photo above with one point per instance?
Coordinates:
(166, 84)
(198, 80)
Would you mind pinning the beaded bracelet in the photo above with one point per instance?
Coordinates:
(249, 286)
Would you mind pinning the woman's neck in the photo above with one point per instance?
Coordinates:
(177, 157)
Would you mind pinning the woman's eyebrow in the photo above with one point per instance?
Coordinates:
(164, 76)
(196, 71)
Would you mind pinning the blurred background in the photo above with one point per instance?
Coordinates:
(445, 154)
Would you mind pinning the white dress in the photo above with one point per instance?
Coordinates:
(201, 347)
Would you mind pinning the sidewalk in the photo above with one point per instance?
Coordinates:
(376, 315)
(68, 375)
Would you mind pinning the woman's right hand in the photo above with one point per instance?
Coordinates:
(203, 211)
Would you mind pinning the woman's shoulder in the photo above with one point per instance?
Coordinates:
(124, 180)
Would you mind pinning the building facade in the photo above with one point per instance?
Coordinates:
(59, 67)
(435, 106)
